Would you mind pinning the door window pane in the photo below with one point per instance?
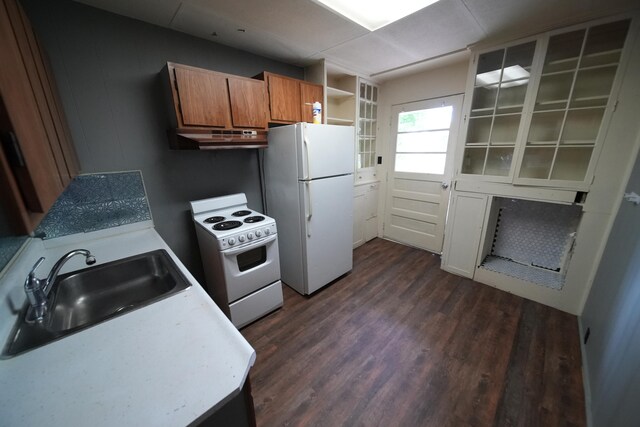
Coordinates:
(433, 142)
(421, 162)
(430, 119)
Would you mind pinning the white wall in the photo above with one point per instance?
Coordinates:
(434, 83)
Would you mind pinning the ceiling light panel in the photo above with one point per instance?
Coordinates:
(374, 14)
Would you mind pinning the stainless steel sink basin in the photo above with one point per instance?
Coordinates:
(84, 298)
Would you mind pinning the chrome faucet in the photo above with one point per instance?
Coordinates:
(37, 290)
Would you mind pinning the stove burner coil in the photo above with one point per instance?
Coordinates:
(256, 218)
(241, 213)
(226, 225)
(214, 219)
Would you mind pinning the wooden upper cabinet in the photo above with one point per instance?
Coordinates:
(309, 93)
(290, 99)
(248, 103)
(284, 94)
(37, 160)
(203, 98)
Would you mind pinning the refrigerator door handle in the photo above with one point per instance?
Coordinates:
(306, 147)
(309, 211)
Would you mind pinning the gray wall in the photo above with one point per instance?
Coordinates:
(612, 312)
(106, 67)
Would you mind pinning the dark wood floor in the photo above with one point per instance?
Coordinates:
(399, 342)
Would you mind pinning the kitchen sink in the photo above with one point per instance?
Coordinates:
(85, 298)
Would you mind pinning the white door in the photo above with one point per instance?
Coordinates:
(424, 135)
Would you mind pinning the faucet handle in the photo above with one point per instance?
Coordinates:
(35, 292)
(32, 273)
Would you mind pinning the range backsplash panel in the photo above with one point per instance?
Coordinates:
(97, 201)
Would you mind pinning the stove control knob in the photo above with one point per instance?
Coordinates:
(267, 231)
(258, 233)
(250, 235)
(241, 238)
(232, 241)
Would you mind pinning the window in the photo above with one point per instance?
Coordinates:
(421, 145)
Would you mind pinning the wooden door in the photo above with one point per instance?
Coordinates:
(284, 98)
(203, 98)
(309, 93)
(421, 170)
(248, 103)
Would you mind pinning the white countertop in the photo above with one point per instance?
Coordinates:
(165, 364)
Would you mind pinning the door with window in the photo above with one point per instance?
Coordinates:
(419, 177)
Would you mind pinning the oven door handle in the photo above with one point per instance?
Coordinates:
(247, 246)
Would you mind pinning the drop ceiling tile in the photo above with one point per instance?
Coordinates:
(300, 23)
(201, 23)
(157, 12)
(504, 19)
(425, 34)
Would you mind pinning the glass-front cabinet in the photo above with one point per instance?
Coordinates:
(499, 94)
(537, 108)
(367, 124)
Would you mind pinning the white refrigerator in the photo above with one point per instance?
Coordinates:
(308, 171)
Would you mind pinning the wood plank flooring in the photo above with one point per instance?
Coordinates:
(399, 342)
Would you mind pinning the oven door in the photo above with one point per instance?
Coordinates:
(251, 267)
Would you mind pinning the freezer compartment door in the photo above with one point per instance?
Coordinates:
(325, 150)
(328, 229)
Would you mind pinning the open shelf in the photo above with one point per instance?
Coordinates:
(339, 121)
(338, 93)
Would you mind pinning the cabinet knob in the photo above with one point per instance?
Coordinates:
(444, 185)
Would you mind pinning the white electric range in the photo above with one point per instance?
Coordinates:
(239, 250)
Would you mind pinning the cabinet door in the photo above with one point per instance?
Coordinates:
(358, 218)
(463, 234)
(37, 160)
(203, 98)
(284, 99)
(309, 93)
(572, 101)
(500, 87)
(248, 103)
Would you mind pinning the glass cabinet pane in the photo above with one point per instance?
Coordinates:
(581, 126)
(593, 86)
(484, 100)
(499, 161)
(563, 52)
(505, 129)
(536, 162)
(604, 43)
(545, 128)
(553, 92)
(489, 67)
(478, 130)
(571, 163)
(473, 161)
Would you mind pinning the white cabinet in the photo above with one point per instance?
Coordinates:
(537, 110)
(365, 215)
(463, 233)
